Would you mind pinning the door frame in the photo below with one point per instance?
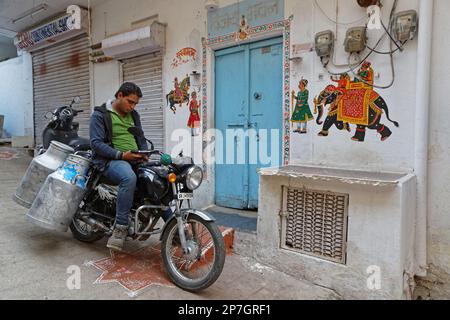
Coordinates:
(209, 46)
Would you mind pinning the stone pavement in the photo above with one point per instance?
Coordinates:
(38, 264)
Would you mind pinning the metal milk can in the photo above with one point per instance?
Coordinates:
(61, 195)
(38, 171)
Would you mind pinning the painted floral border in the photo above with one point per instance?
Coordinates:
(284, 25)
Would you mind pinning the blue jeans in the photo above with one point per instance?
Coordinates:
(122, 174)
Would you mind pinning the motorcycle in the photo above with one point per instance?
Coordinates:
(192, 248)
(62, 128)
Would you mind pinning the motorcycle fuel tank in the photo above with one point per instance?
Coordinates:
(152, 183)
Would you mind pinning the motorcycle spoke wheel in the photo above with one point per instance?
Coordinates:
(83, 232)
(203, 263)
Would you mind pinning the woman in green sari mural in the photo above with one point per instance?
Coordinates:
(302, 113)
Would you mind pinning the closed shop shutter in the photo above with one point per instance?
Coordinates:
(60, 73)
(146, 72)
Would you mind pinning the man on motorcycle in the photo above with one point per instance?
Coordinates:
(112, 145)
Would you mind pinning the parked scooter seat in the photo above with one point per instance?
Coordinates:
(80, 144)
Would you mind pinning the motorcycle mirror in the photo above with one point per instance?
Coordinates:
(48, 115)
(77, 99)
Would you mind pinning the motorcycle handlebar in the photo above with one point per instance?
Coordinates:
(155, 152)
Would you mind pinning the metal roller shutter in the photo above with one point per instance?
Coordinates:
(60, 73)
(146, 72)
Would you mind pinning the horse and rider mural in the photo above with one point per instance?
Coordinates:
(353, 102)
(180, 94)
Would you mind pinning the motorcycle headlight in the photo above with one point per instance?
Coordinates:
(194, 178)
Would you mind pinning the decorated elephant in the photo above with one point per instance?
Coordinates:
(358, 105)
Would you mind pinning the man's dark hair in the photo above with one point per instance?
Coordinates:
(129, 88)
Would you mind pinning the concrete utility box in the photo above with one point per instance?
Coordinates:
(351, 231)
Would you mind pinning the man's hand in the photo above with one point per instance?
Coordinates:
(134, 157)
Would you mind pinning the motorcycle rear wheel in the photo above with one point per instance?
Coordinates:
(207, 255)
(84, 233)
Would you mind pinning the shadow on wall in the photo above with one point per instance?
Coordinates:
(2, 119)
(3, 133)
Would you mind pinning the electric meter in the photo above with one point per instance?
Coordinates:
(324, 43)
(355, 39)
(405, 25)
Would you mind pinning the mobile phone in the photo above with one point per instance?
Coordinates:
(145, 152)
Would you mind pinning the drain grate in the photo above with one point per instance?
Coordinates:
(315, 223)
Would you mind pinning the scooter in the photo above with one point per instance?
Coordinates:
(62, 128)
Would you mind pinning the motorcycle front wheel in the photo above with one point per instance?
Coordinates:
(202, 265)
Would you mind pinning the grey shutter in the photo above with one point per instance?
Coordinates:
(60, 73)
(146, 72)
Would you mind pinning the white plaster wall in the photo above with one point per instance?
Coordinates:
(439, 153)
(16, 95)
(338, 149)
(107, 81)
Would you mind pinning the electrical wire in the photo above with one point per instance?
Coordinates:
(343, 72)
(394, 6)
(390, 36)
(336, 22)
(353, 67)
(389, 52)
(347, 65)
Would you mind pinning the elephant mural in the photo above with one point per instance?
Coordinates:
(357, 104)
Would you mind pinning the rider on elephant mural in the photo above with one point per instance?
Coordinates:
(365, 74)
(178, 95)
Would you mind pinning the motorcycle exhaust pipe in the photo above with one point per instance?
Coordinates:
(95, 224)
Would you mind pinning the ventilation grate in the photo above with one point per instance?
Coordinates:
(315, 223)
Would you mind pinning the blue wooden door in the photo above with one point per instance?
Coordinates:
(248, 99)
(266, 115)
(231, 114)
